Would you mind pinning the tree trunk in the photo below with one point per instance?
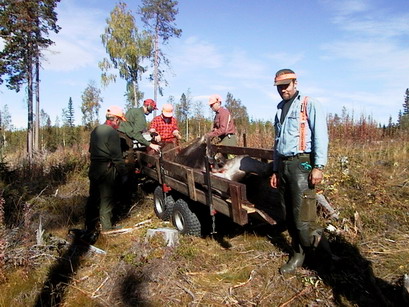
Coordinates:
(135, 98)
(30, 110)
(155, 69)
(37, 111)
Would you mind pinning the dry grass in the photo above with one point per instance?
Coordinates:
(237, 267)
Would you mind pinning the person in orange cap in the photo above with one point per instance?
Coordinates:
(223, 124)
(300, 155)
(165, 130)
(107, 165)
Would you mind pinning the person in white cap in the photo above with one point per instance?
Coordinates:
(223, 124)
(107, 164)
(165, 130)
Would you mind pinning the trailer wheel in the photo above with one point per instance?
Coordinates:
(163, 206)
(185, 221)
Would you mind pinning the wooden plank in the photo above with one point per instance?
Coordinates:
(191, 184)
(239, 215)
(266, 154)
(219, 204)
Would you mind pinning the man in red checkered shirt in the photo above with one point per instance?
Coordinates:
(166, 127)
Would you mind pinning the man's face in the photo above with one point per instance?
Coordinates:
(287, 91)
(146, 110)
(215, 106)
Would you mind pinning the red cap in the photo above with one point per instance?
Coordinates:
(150, 102)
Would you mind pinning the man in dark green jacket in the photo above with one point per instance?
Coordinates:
(136, 124)
(107, 164)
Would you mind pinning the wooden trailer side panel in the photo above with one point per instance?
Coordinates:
(190, 182)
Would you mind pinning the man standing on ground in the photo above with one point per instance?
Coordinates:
(107, 164)
(300, 155)
(223, 124)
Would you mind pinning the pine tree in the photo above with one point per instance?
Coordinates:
(403, 119)
(70, 114)
(24, 28)
(159, 17)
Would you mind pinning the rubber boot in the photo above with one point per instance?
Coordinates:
(296, 261)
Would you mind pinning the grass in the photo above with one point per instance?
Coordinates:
(239, 267)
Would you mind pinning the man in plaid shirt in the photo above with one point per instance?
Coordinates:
(166, 131)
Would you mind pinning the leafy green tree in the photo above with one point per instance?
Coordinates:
(238, 112)
(127, 48)
(159, 18)
(6, 123)
(199, 126)
(24, 28)
(91, 103)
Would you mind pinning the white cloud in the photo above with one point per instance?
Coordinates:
(78, 43)
(195, 54)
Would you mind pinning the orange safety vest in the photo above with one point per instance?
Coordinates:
(303, 124)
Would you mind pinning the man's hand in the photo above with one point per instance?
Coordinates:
(316, 176)
(155, 147)
(274, 181)
(177, 134)
(157, 138)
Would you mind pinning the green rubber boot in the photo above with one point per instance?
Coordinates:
(295, 262)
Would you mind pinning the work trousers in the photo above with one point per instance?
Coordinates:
(101, 196)
(229, 140)
(297, 197)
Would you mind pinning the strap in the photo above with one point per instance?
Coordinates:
(303, 124)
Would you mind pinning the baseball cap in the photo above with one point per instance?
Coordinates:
(116, 111)
(167, 110)
(284, 76)
(150, 102)
(215, 98)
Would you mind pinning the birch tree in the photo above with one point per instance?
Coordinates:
(127, 48)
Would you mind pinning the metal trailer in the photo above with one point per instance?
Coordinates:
(180, 188)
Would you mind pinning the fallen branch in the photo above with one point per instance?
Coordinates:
(243, 283)
(99, 287)
(302, 292)
(126, 230)
(186, 290)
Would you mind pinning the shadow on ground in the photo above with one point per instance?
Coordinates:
(352, 278)
(60, 274)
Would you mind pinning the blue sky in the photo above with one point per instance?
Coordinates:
(347, 53)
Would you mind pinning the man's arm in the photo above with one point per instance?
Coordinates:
(114, 146)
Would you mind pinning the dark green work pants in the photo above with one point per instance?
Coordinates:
(101, 196)
(297, 197)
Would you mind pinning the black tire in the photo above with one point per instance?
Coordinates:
(162, 206)
(184, 220)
